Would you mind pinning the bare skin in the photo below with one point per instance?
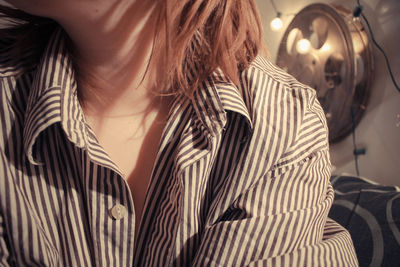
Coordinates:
(113, 40)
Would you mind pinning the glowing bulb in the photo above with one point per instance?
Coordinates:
(303, 46)
(276, 24)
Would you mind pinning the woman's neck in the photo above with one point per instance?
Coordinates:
(112, 48)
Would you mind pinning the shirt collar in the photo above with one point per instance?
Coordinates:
(53, 97)
(216, 96)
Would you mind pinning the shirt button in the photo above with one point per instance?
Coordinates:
(118, 212)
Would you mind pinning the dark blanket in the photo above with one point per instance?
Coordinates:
(371, 213)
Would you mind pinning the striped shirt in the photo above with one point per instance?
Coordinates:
(241, 176)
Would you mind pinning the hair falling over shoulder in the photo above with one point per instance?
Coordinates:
(208, 34)
(195, 37)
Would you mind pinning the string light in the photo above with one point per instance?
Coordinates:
(276, 23)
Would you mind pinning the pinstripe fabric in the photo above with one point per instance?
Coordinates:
(241, 177)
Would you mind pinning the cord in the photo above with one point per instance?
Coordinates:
(356, 151)
(278, 13)
(274, 6)
(357, 13)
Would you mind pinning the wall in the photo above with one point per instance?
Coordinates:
(379, 129)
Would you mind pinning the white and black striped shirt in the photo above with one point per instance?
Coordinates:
(241, 177)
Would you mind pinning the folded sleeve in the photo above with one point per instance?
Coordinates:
(280, 221)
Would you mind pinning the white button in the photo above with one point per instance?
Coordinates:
(118, 212)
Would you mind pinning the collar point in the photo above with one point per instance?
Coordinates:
(33, 161)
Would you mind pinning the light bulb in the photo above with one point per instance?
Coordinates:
(303, 46)
(276, 24)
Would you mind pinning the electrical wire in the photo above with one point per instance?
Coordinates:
(355, 150)
(278, 12)
(358, 12)
(383, 53)
(274, 6)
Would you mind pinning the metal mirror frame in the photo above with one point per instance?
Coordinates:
(339, 64)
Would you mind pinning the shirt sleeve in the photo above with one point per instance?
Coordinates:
(280, 221)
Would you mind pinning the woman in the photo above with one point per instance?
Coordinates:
(149, 133)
